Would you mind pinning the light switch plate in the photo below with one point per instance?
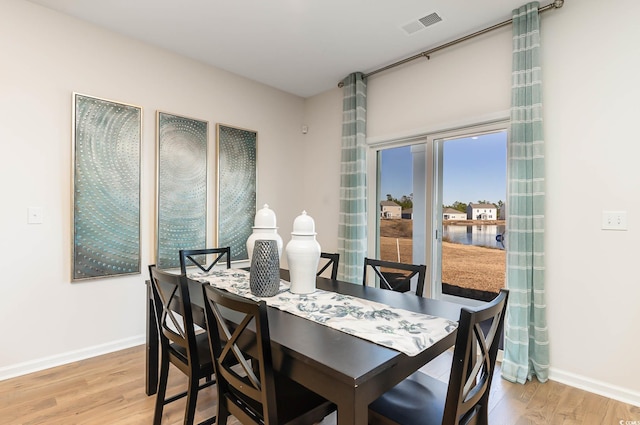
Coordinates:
(35, 215)
(614, 220)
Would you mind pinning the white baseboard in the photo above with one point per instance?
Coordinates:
(591, 385)
(69, 357)
(614, 392)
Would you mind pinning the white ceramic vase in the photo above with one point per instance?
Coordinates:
(264, 227)
(303, 255)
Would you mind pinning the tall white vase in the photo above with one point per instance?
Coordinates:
(264, 227)
(303, 255)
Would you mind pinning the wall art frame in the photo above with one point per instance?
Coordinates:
(181, 186)
(236, 184)
(106, 179)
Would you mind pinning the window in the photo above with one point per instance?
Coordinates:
(472, 261)
(395, 232)
(454, 185)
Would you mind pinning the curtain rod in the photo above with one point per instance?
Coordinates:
(557, 4)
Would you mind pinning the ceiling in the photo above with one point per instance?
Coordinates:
(303, 47)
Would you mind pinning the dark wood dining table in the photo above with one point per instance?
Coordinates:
(347, 370)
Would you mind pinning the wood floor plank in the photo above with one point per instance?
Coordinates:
(508, 402)
(109, 390)
(544, 403)
(595, 409)
(622, 414)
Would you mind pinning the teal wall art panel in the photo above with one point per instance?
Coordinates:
(236, 150)
(106, 188)
(181, 187)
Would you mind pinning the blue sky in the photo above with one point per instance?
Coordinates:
(474, 169)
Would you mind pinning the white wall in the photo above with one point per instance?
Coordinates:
(321, 165)
(591, 58)
(591, 61)
(45, 57)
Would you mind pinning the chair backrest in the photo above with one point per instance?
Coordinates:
(331, 260)
(474, 360)
(175, 318)
(198, 258)
(396, 276)
(246, 383)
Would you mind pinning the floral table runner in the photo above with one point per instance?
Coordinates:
(402, 330)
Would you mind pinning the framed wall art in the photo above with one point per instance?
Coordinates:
(181, 187)
(106, 188)
(236, 184)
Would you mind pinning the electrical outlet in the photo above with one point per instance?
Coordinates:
(614, 220)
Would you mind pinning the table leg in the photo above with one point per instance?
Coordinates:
(356, 414)
(151, 352)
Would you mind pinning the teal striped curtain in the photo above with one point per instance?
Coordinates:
(352, 226)
(526, 345)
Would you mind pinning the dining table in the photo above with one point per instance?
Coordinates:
(347, 370)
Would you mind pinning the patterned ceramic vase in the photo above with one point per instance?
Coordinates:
(264, 277)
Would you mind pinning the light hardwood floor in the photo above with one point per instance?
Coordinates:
(109, 389)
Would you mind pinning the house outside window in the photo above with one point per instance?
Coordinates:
(482, 212)
(390, 210)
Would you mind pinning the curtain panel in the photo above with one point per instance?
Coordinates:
(526, 346)
(352, 225)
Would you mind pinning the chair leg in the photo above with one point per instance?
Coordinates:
(223, 414)
(482, 415)
(192, 398)
(162, 390)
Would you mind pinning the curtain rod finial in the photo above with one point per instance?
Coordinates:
(558, 4)
(340, 84)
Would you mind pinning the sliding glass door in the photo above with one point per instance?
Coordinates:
(440, 202)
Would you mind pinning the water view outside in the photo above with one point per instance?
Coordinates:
(488, 235)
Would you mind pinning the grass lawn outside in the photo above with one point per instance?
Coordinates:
(469, 267)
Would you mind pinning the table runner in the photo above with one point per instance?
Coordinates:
(401, 330)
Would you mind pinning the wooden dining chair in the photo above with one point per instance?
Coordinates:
(180, 345)
(423, 400)
(248, 387)
(199, 257)
(327, 260)
(396, 276)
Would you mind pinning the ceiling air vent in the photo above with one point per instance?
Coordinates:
(434, 18)
(421, 23)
